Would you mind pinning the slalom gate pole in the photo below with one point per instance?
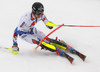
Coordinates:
(48, 35)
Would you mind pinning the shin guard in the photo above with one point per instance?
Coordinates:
(59, 51)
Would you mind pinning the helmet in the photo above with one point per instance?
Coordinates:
(37, 7)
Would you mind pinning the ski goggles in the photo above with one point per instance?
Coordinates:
(39, 13)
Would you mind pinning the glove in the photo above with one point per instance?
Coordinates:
(50, 24)
(15, 49)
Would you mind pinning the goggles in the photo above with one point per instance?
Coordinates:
(39, 13)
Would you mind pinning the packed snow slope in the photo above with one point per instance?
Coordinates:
(85, 40)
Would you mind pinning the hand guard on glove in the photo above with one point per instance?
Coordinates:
(49, 27)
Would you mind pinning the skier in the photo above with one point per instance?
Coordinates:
(28, 32)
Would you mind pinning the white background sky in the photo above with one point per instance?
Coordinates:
(85, 40)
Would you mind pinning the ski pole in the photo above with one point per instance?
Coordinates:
(53, 25)
(5, 48)
(14, 52)
(80, 26)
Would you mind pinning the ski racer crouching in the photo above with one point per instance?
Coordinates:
(27, 31)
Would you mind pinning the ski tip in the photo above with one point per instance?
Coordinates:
(84, 58)
(70, 59)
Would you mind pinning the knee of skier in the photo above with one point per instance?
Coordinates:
(35, 41)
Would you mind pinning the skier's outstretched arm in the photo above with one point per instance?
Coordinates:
(45, 20)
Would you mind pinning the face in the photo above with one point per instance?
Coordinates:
(38, 14)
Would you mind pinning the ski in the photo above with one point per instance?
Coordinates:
(63, 46)
(68, 57)
(82, 56)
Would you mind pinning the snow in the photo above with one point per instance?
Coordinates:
(85, 40)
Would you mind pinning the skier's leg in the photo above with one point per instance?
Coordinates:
(60, 44)
(34, 40)
(28, 38)
(54, 49)
(66, 47)
(40, 35)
